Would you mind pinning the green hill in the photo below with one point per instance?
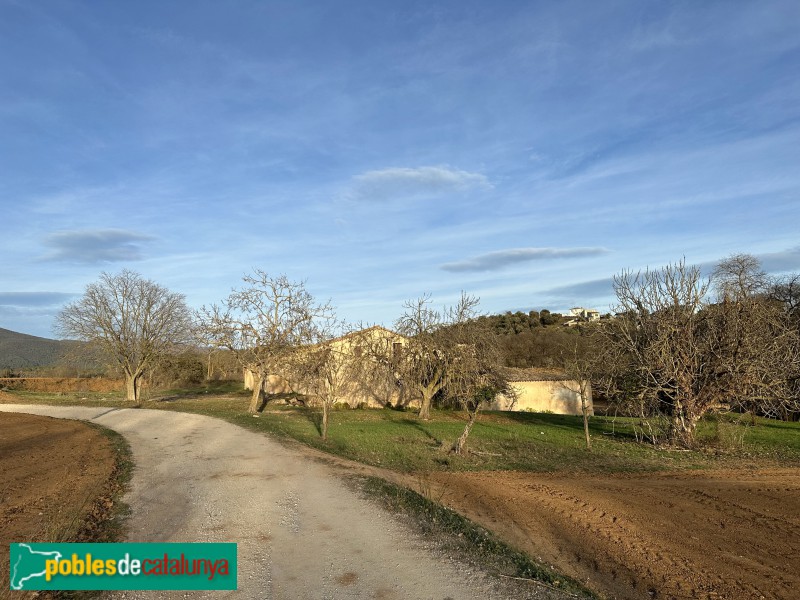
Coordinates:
(22, 351)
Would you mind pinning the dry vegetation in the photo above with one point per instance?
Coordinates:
(61, 384)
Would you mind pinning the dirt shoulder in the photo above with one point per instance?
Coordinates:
(722, 534)
(52, 473)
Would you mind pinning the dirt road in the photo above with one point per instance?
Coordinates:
(301, 532)
(732, 535)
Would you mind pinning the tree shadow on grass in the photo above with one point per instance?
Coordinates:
(288, 398)
(598, 425)
(418, 426)
(174, 398)
(314, 416)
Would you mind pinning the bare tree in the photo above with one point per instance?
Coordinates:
(264, 324)
(135, 321)
(579, 367)
(453, 354)
(739, 277)
(654, 353)
(785, 292)
(327, 370)
(475, 373)
(672, 352)
(429, 354)
(753, 341)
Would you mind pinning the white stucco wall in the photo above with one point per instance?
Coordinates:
(558, 397)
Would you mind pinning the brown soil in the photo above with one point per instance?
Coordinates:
(723, 535)
(53, 473)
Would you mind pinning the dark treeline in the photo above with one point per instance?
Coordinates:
(536, 338)
(512, 323)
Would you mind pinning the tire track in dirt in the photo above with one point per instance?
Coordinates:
(712, 535)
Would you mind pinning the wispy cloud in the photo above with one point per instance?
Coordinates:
(96, 246)
(592, 288)
(388, 184)
(33, 299)
(777, 262)
(493, 261)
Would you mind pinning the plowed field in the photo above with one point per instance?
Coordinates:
(723, 534)
(51, 473)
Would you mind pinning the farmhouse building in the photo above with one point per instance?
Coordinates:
(375, 341)
(537, 390)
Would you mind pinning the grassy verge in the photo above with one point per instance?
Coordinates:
(500, 441)
(473, 544)
(107, 518)
(537, 442)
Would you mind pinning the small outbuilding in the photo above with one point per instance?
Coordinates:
(544, 390)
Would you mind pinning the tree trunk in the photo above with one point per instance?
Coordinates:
(425, 407)
(324, 421)
(683, 426)
(461, 442)
(132, 386)
(585, 411)
(258, 393)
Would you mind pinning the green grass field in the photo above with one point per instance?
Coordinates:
(509, 441)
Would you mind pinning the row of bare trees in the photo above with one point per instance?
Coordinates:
(275, 328)
(681, 345)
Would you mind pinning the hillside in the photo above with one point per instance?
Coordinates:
(22, 351)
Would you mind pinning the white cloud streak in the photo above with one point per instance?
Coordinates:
(500, 259)
(96, 246)
(404, 182)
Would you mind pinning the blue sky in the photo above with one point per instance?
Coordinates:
(522, 151)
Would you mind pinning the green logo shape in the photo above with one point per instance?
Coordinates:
(134, 566)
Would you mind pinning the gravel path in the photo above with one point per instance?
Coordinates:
(301, 532)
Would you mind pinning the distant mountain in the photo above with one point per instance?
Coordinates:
(22, 351)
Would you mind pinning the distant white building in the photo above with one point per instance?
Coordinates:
(588, 314)
(578, 314)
